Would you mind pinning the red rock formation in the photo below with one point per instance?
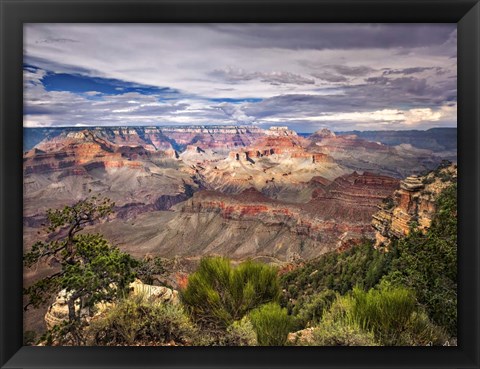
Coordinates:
(213, 137)
(82, 151)
(342, 207)
(353, 196)
(414, 202)
(280, 144)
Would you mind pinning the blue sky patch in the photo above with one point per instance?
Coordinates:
(80, 84)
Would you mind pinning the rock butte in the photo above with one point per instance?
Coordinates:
(413, 202)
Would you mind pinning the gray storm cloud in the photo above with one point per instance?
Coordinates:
(308, 75)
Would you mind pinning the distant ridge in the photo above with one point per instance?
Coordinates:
(435, 139)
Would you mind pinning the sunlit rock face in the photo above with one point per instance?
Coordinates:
(76, 164)
(412, 204)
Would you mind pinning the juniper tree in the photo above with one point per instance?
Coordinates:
(91, 270)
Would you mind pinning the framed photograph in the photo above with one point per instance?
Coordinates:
(235, 184)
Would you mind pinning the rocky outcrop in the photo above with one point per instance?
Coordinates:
(352, 197)
(276, 164)
(252, 225)
(84, 151)
(58, 310)
(304, 337)
(154, 293)
(412, 205)
(274, 142)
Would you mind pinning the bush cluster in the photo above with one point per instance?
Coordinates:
(218, 294)
(272, 324)
(136, 320)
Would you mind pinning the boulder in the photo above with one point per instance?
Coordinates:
(58, 310)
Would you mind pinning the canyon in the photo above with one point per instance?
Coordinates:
(246, 192)
(272, 195)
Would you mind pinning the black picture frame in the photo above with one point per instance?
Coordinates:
(14, 13)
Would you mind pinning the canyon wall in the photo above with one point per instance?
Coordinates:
(412, 205)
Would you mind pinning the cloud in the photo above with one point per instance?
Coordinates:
(338, 36)
(386, 119)
(151, 74)
(407, 84)
(236, 113)
(355, 71)
(232, 74)
(44, 108)
(92, 93)
(329, 77)
(407, 71)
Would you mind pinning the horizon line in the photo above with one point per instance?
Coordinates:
(231, 126)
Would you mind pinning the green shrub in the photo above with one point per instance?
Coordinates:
(218, 294)
(385, 312)
(361, 265)
(420, 331)
(153, 269)
(390, 313)
(137, 321)
(272, 324)
(310, 311)
(240, 333)
(340, 333)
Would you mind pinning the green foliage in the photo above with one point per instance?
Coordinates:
(386, 312)
(391, 314)
(240, 333)
(361, 265)
(423, 263)
(217, 294)
(151, 269)
(388, 202)
(310, 312)
(272, 324)
(99, 272)
(91, 270)
(428, 180)
(66, 333)
(427, 263)
(422, 332)
(338, 333)
(137, 321)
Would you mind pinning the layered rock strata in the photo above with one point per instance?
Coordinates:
(354, 152)
(338, 212)
(413, 205)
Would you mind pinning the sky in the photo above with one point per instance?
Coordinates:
(304, 76)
